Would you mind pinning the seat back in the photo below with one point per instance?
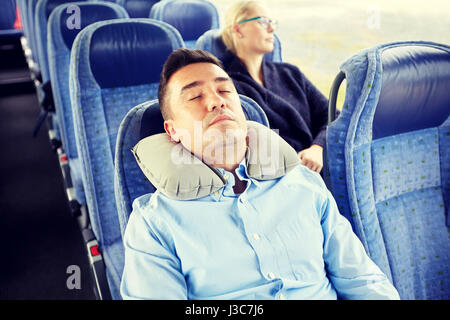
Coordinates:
(211, 41)
(137, 8)
(142, 121)
(191, 18)
(32, 41)
(23, 8)
(389, 161)
(114, 66)
(60, 39)
(43, 10)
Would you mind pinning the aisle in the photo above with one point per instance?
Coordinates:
(38, 239)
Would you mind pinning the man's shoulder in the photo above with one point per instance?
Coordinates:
(148, 205)
(157, 205)
(303, 177)
(149, 201)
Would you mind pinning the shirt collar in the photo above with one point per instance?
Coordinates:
(241, 173)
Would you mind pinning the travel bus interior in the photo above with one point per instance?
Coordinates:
(78, 89)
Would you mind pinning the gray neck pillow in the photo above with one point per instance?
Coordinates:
(178, 174)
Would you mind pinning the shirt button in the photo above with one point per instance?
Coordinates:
(282, 296)
(271, 275)
(256, 236)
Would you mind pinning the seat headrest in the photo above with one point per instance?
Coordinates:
(180, 175)
(120, 52)
(138, 8)
(89, 13)
(212, 42)
(192, 18)
(415, 82)
(52, 4)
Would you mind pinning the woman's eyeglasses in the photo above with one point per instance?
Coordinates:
(263, 21)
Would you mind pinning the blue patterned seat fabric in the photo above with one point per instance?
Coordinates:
(389, 160)
(115, 65)
(60, 40)
(211, 41)
(191, 18)
(142, 121)
(137, 8)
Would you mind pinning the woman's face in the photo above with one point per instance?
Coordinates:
(255, 36)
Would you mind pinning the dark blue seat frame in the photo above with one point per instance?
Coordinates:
(388, 156)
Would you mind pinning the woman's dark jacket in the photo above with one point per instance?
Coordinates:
(291, 102)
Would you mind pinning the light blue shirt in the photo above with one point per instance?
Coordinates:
(280, 239)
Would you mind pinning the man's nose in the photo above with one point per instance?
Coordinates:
(214, 102)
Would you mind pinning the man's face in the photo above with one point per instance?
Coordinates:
(207, 117)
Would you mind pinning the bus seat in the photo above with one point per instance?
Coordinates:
(142, 121)
(60, 40)
(191, 18)
(389, 161)
(43, 10)
(8, 15)
(32, 5)
(114, 66)
(137, 8)
(211, 41)
(21, 5)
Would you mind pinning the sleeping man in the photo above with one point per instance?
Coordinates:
(235, 216)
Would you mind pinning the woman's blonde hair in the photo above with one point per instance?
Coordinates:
(235, 13)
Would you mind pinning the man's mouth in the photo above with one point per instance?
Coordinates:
(220, 118)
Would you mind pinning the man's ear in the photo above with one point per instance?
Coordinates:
(170, 130)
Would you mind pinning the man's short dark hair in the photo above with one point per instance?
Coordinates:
(177, 60)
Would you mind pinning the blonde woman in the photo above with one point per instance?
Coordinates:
(291, 102)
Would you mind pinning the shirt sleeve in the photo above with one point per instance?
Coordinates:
(353, 274)
(151, 270)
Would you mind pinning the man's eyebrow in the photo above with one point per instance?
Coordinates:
(191, 85)
(222, 79)
(198, 83)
